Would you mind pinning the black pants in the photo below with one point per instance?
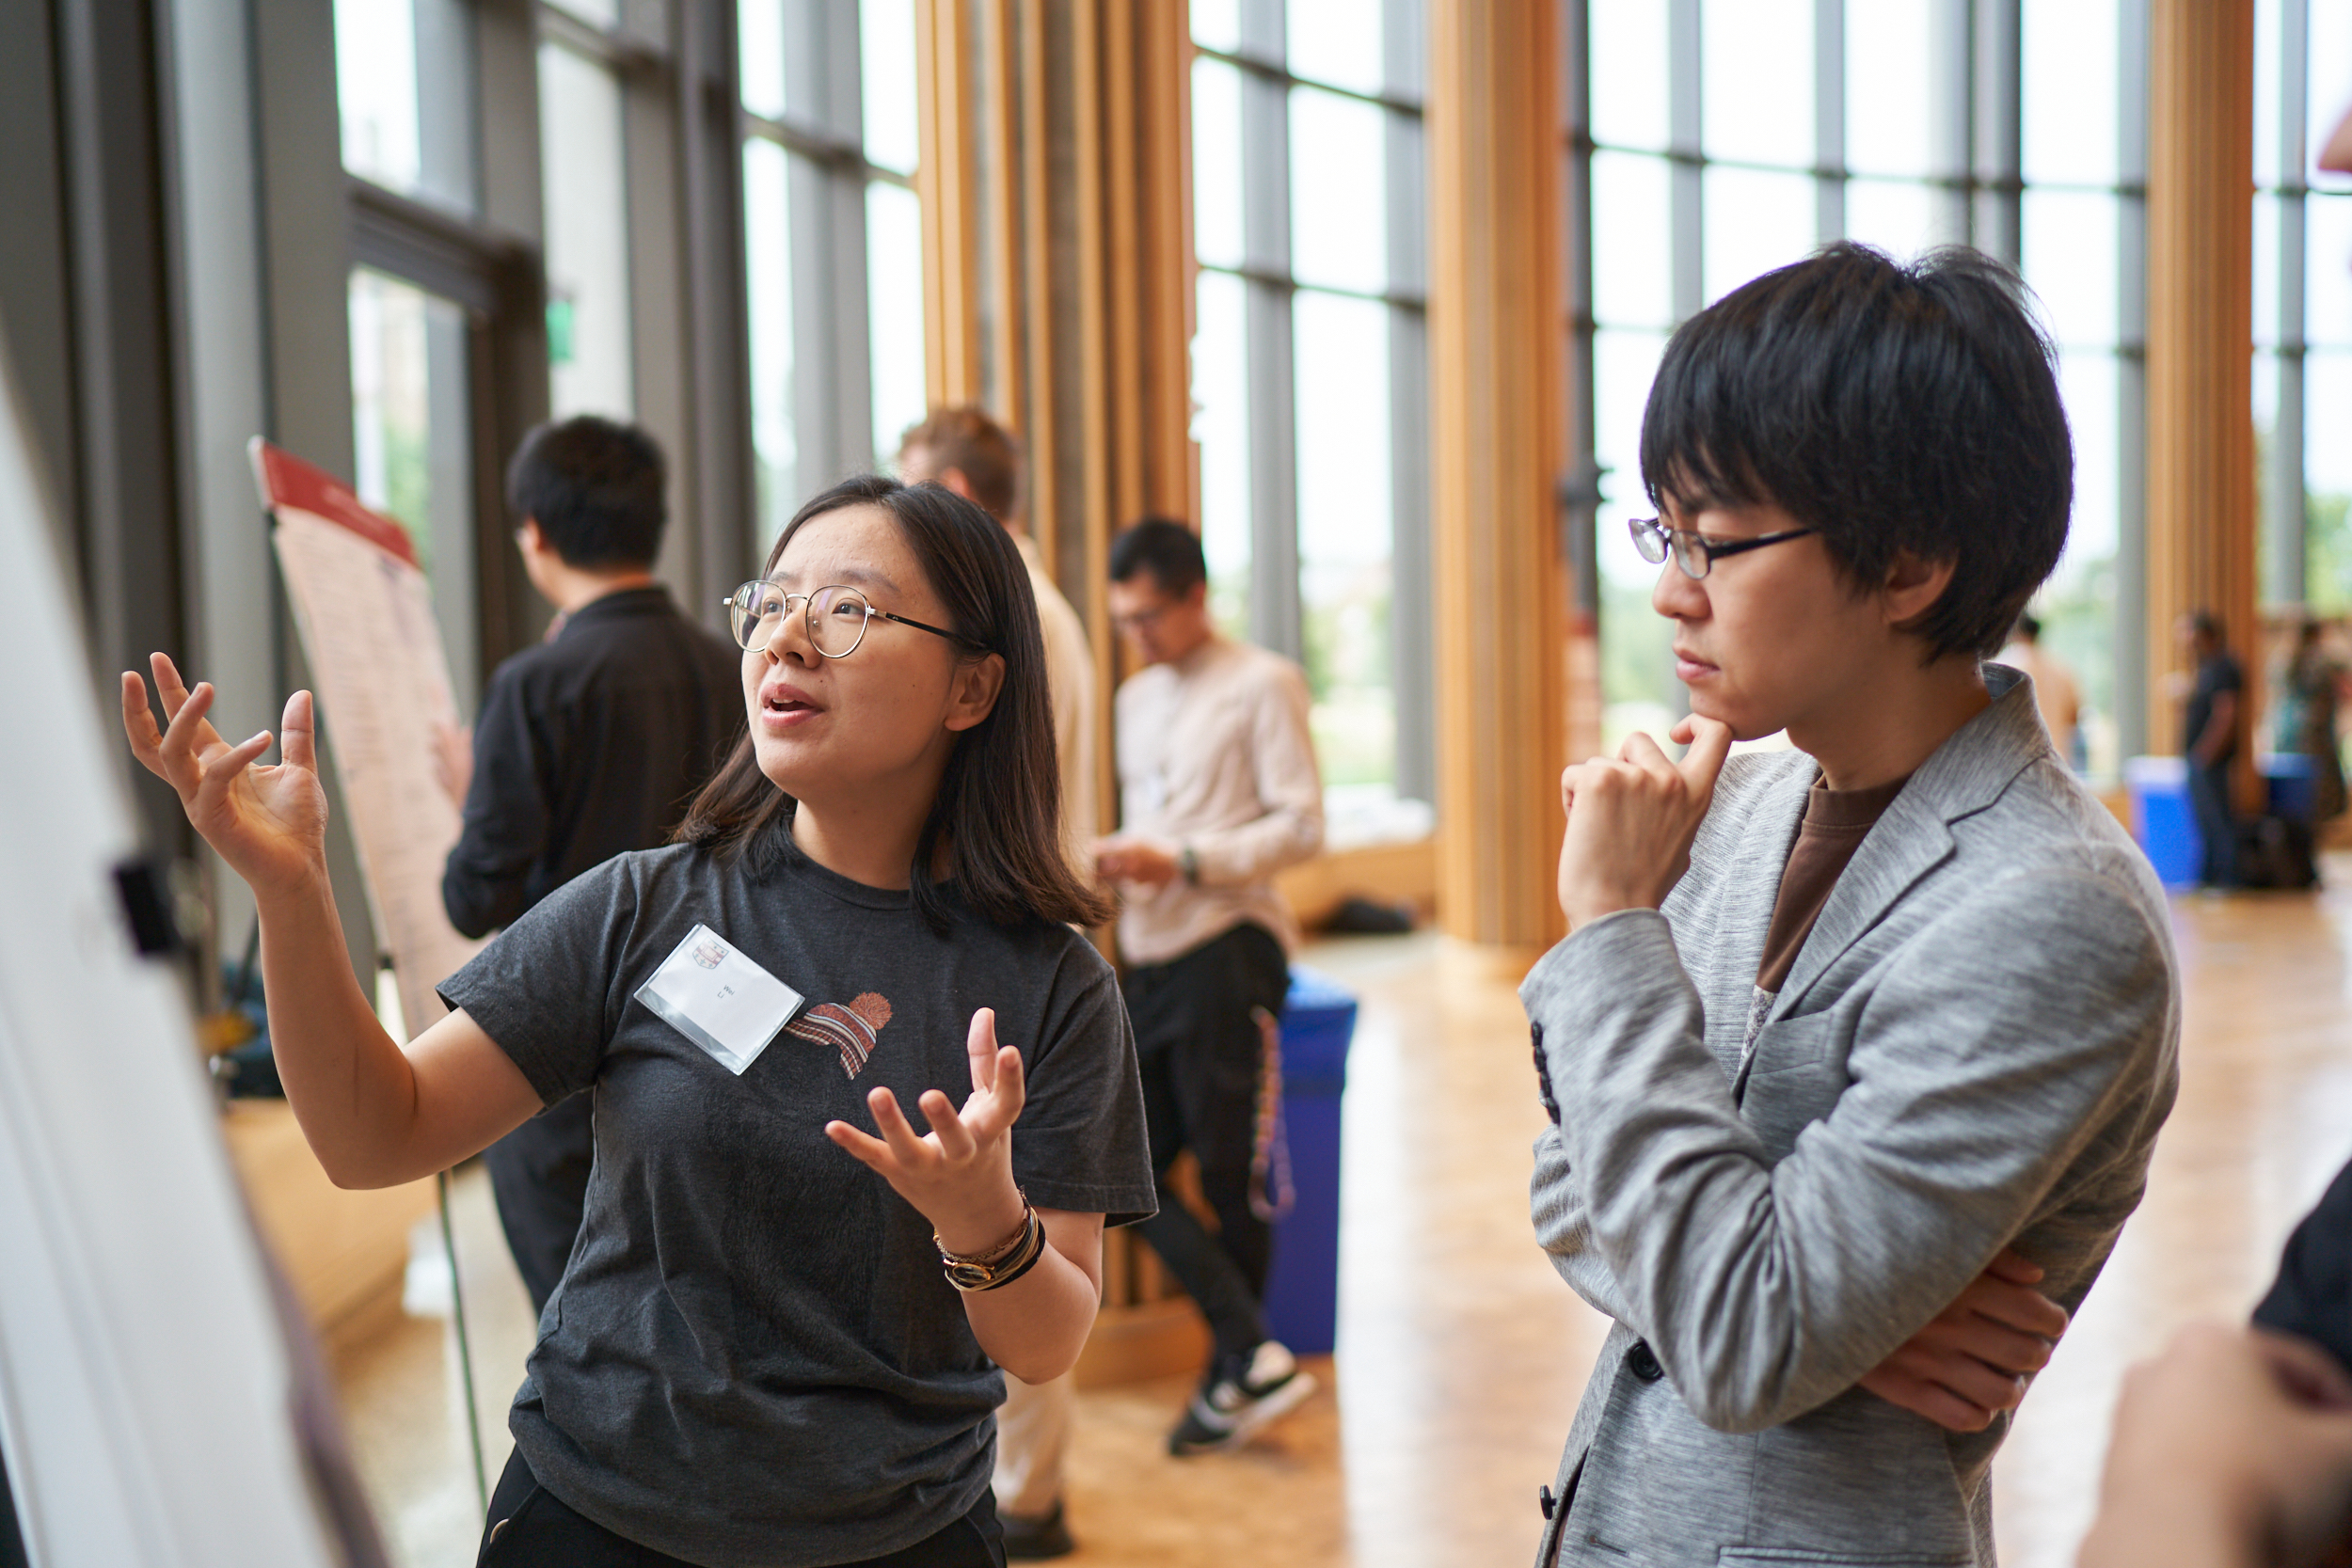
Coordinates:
(2209, 796)
(539, 1175)
(531, 1528)
(1200, 1050)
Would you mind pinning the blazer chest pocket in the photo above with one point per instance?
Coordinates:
(1794, 1077)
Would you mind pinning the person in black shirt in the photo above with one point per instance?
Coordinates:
(2209, 740)
(589, 746)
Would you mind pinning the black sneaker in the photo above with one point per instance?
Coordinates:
(1240, 1397)
(1034, 1540)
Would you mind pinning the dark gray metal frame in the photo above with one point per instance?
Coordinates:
(1275, 618)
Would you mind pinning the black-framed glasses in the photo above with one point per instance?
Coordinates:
(1694, 553)
(837, 617)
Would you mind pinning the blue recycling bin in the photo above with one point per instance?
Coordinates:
(1302, 1297)
(2291, 783)
(2163, 821)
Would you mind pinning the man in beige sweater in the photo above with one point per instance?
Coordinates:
(970, 453)
(1220, 791)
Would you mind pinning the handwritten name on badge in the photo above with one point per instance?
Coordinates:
(719, 999)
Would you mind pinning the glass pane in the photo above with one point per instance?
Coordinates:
(2328, 275)
(886, 70)
(601, 14)
(589, 354)
(412, 442)
(2068, 244)
(1336, 41)
(1633, 241)
(1344, 531)
(894, 299)
(375, 79)
(1887, 87)
(404, 83)
(1755, 222)
(2071, 54)
(1896, 216)
(1628, 74)
(768, 265)
(2266, 270)
(1637, 687)
(2331, 61)
(2266, 73)
(1758, 70)
(1217, 194)
(1216, 24)
(1220, 423)
(2328, 480)
(759, 56)
(1339, 195)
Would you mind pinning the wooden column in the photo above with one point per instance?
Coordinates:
(1496, 368)
(2202, 516)
(1057, 270)
(1057, 263)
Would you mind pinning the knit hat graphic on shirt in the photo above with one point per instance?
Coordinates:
(849, 1030)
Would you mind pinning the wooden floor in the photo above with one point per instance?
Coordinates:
(1461, 1355)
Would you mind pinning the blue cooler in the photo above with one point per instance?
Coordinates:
(2163, 821)
(1302, 1294)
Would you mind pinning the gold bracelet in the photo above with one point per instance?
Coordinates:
(1001, 1250)
(1004, 1265)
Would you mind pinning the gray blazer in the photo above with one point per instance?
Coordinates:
(1975, 1050)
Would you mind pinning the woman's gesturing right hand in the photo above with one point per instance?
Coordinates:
(268, 823)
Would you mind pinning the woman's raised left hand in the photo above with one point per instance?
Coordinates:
(959, 1175)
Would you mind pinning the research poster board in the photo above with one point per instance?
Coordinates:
(365, 612)
(160, 1405)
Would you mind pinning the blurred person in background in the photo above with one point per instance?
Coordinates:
(1220, 791)
(589, 745)
(2309, 689)
(2055, 691)
(2209, 726)
(970, 453)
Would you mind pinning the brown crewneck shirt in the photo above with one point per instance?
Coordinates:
(1835, 823)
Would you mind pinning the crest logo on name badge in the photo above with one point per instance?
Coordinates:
(711, 952)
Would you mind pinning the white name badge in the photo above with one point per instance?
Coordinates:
(719, 999)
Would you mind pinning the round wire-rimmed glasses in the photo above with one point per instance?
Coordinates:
(1693, 553)
(837, 619)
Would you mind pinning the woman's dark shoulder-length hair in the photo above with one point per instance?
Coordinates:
(998, 810)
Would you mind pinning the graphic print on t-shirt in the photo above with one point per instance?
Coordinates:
(849, 1030)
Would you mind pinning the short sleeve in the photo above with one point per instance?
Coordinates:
(550, 989)
(1080, 1144)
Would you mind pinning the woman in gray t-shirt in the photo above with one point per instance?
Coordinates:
(776, 1342)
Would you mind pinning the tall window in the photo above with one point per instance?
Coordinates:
(2303, 305)
(583, 171)
(1729, 138)
(1308, 373)
(405, 89)
(831, 238)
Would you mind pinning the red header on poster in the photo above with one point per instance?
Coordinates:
(288, 480)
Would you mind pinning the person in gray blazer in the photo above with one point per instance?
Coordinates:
(1842, 1035)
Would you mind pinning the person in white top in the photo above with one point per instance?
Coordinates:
(970, 453)
(1220, 790)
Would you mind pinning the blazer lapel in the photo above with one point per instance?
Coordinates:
(1966, 774)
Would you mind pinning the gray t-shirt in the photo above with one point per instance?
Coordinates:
(754, 1360)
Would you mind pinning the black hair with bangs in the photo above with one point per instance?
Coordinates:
(999, 811)
(1892, 406)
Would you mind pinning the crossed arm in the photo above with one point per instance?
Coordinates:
(1765, 1286)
